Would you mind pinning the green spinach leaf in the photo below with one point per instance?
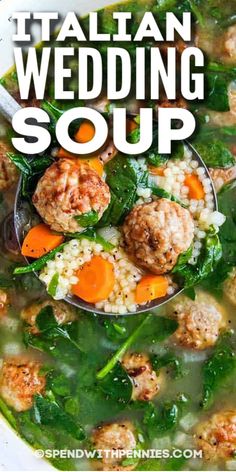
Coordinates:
(218, 368)
(49, 413)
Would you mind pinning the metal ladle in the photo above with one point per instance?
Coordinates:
(24, 213)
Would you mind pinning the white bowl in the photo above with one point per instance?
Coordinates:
(15, 454)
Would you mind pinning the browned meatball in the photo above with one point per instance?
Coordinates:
(221, 177)
(216, 437)
(200, 323)
(4, 301)
(146, 383)
(156, 233)
(230, 42)
(20, 380)
(111, 438)
(230, 287)
(68, 189)
(8, 170)
(63, 312)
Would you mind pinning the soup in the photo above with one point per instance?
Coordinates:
(149, 391)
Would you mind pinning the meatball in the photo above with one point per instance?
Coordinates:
(20, 380)
(156, 233)
(69, 189)
(4, 301)
(221, 177)
(216, 437)
(114, 437)
(63, 313)
(108, 152)
(200, 323)
(146, 383)
(230, 287)
(230, 42)
(8, 170)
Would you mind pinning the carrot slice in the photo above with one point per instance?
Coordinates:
(95, 164)
(196, 190)
(96, 280)
(85, 132)
(63, 153)
(39, 241)
(156, 170)
(130, 126)
(151, 287)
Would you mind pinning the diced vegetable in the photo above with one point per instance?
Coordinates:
(130, 126)
(52, 288)
(156, 170)
(85, 132)
(151, 287)
(196, 190)
(94, 162)
(96, 280)
(40, 240)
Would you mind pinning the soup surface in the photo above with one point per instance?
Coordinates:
(151, 391)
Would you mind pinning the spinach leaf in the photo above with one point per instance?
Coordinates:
(169, 359)
(162, 418)
(218, 368)
(183, 260)
(49, 413)
(87, 219)
(217, 92)
(214, 282)
(58, 383)
(124, 175)
(215, 155)
(122, 350)
(31, 166)
(162, 464)
(156, 160)
(226, 200)
(117, 384)
(211, 253)
(48, 326)
(153, 329)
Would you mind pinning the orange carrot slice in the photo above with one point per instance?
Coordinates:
(151, 287)
(156, 170)
(131, 125)
(94, 163)
(85, 132)
(39, 241)
(96, 280)
(196, 190)
(63, 153)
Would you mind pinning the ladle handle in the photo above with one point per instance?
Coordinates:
(8, 105)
